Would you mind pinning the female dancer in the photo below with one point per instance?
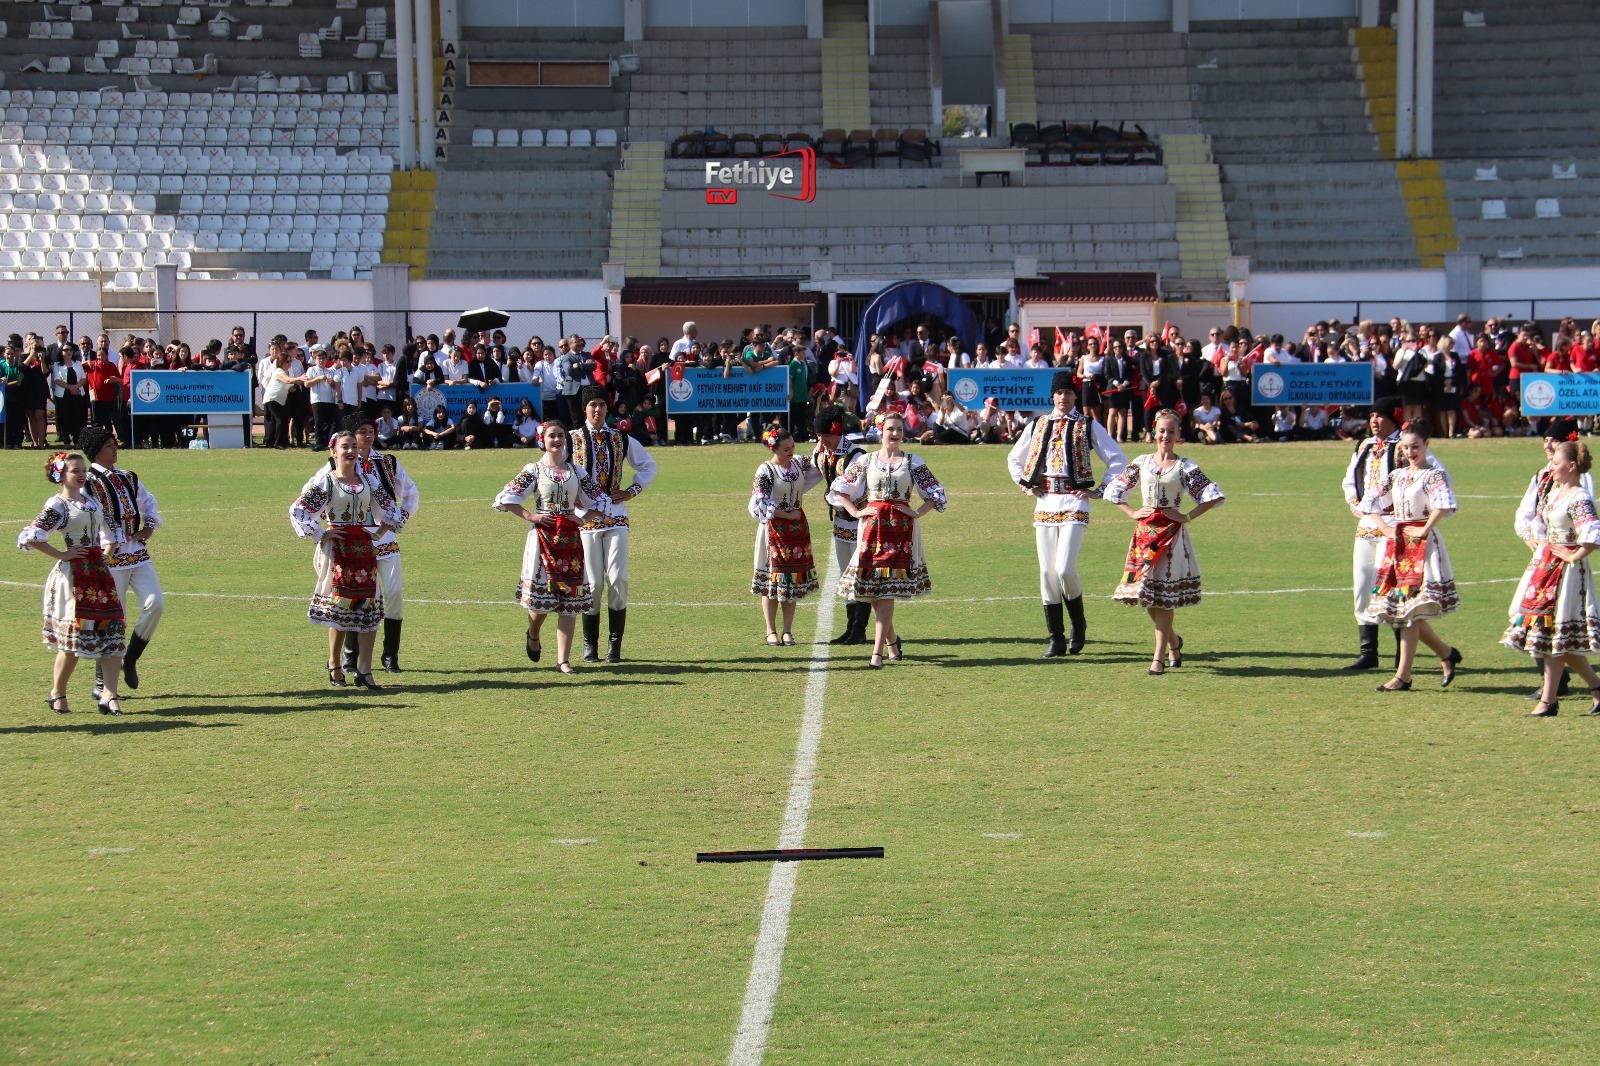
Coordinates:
(888, 564)
(347, 597)
(1415, 582)
(552, 558)
(785, 572)
(82, 614)
(1162, 573)
(1559, 431)
(1555, 616)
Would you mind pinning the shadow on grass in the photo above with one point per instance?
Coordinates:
(112, 725)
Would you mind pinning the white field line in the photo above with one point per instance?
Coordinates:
(746, 603)
(761, 991)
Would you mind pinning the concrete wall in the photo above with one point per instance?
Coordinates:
(716, 324)
(565, 13)
(724, 12)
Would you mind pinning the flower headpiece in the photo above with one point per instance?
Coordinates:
(55, 467)
(770, 438)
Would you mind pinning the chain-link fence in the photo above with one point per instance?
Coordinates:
(199, 328)
(1291, 317)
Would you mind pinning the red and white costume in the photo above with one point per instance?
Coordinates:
(888, 563)
(784, 566)
(553, 577)
(82, 612)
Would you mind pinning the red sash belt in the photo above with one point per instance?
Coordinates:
(1538, 606)
(94, 590)
(1151, 538)
(561, 552)
(886, 536)
(355, 564)
(1403, 566)
(789, 545)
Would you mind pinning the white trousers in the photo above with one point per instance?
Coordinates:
(605, 565)
(844, 553)
(146, 592)
(1368, 554)
(389, 576)
(1058, 560)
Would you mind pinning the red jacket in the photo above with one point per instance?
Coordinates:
(104, 380)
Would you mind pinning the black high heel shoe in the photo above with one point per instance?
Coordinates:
(1157, 668)
(1398, 685)
(1449, 667)
(1175, 655)
(335, 676)
(107, 708)
(365, 681)
(1594, 694)
(565, 667)
(535, 647)
(875, 665)
(1545, 710)
(58, 704)
(895, 644)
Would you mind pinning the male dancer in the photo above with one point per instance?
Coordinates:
(1052, 463)
(834, 454)
(1560, 430)
(1375, 458)
(388, 471)
(131, 517)
(602, 452)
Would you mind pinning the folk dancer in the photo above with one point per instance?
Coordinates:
(1052, 462)
(397, 483)
(888, 564)
(348, 596)
(834, 453)
(82, 613)
(1375, 458)
(785, 571)
(1162, 572)
(1559, 430)
(601, 453)
(132, 516)
(1555, 614)
(1415, 582)
(553, 575)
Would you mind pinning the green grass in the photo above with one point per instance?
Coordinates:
(340, 875)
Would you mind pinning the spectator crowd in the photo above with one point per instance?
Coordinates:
(1463, 379)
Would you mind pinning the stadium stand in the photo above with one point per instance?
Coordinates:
(1515, 128)
(207, 139)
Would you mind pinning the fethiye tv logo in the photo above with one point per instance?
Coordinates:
(790, 175)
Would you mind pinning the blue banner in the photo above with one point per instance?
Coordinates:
(455, 398)
(708, 392)
(1014, 388)
(1544, 395)
(191, 392)
(1318, 384)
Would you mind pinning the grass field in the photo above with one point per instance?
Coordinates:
(1255, 859)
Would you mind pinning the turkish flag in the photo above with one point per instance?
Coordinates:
(677, 372)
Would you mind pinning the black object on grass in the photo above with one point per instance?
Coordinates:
(788, 854)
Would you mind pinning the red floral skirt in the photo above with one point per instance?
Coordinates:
(1151, 538)
(355, 564)
(94, 591)
(886, 540)
(561, 552)
(1404, 566)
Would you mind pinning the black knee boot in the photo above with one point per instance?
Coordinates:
(391, 645)
(618, 621)
(1056, 626)
(849, 623)
(130, 660)
(591, 637)
(1368, 659)
(858, 632)
(1080, 624)
(352, 652)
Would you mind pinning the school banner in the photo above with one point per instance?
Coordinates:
(1015, 389)
(1317, 384)
(1544, 395)
(190, 392)
(455, 397)
(705, 392)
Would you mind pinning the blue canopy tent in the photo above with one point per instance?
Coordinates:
(907, 298)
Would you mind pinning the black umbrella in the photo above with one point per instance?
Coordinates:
(483, 318)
